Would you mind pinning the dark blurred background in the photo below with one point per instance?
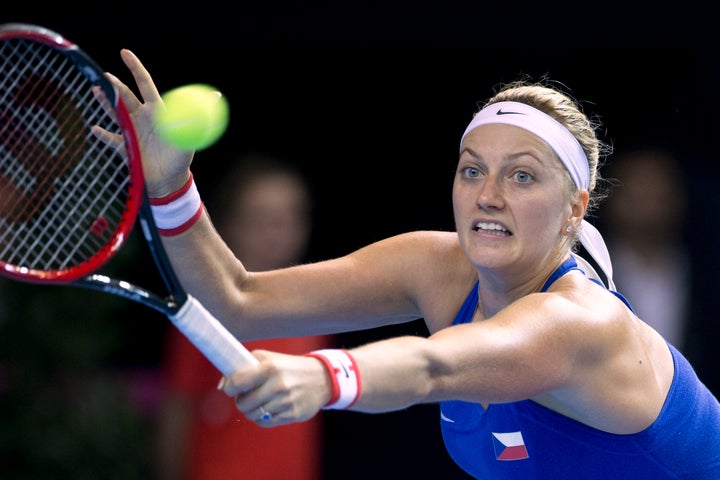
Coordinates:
(370, 100)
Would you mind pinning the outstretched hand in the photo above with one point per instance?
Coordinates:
(166, 169)
(282, 389)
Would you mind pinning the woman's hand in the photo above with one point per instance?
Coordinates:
(281, 389)
(166, 169)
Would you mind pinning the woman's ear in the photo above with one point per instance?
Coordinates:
(579, 207)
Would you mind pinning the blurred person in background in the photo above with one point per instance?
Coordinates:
(662, 242)
(263, 207)
(646, 224)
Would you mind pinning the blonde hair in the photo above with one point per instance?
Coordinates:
(565, 109)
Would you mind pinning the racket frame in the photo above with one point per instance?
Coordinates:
(186, 312)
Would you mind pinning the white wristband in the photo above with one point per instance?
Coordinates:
(178, 211)
(344, 377)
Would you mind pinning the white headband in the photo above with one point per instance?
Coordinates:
(563, 143)
(566, 147)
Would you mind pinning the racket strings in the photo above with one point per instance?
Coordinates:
(63, 192)
(32, 140)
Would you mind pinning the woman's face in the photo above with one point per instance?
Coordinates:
(270, 223)
(511, 199)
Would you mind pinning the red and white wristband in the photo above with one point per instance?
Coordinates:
(344, 377)
(178, 211)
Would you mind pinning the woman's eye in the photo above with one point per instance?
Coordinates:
(471, 172)
(523, 177)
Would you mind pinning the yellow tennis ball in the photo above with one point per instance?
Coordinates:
(193, 117)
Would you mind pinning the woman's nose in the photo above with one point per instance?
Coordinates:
(490, 193)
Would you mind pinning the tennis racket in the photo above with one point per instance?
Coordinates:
(68, 200)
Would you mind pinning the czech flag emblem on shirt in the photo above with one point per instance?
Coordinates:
(509, 446)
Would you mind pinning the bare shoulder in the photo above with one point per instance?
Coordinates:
(432, 267)
(419, 249)
(611, 358)
(436, 240)
(587, 322)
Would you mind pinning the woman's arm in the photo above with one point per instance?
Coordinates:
(514, 355)
(573, 356)
(368, 288)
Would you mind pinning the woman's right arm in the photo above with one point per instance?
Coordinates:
(376, 285)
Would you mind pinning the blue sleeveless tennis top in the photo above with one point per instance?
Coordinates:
(526, 441)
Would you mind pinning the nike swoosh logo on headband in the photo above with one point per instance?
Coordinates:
(500, 112)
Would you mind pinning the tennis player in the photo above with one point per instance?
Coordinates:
(540, 369)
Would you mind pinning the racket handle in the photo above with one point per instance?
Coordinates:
(211, 337)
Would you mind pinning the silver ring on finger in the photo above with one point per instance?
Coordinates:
(264, 414)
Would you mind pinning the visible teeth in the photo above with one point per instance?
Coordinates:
(489, 226)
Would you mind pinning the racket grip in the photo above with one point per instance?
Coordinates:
(211, 337)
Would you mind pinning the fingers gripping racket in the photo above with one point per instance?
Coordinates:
(69, 200)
